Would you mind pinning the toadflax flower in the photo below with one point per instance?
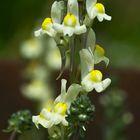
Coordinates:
(49, 117)
(57, 113)
(93, 80)
(47, 25)
(53, 52)
(71, 23)
(95, 9)
(99, 55)
(34, 70)
(31, 49)
(36, 90)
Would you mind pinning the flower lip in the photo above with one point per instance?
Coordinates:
(70, 20)
(100, 8)
(46, 23)
(96, 76)
(60, 108)
(100, 50)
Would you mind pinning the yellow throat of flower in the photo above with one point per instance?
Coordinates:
(96, 75)
(100, 8)
(99, 50)
(46, 23)
(70, 20)
(60, 108)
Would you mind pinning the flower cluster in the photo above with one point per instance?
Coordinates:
(70, 26)
(38, 69)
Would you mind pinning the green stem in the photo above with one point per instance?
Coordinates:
(76, 134)
(62, 133)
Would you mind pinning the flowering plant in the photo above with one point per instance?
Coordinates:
(70, 29)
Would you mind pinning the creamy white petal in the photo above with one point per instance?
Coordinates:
(89, 5)
(38, 32)
(35, 120)
(51, 32)
(101, 86)
(80, 29)
(99, 59)
(39, 120)
(68, 31)
(72, 93)
(91, 40)
(92, 14)
(46, 114)
(106, 60)
(73, 8)
(63, 86)
(58, 27)
(107, 17)
(100, 17)
(56, 119)
(87, 85)
(60, 98)
(56, 11)
(45, 123)
(87, 62)
(64, 122)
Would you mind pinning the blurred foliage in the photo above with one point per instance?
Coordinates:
(120, 36)
(33, 134)
(116, 117)
(20, 121)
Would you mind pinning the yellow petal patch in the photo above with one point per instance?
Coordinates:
(70, 20)
(41, 115)
(99, 50)
(49, 109)
(46, 22)
(100, 8)
(60, 108)
(96, 75)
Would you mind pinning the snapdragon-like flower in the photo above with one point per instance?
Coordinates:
(99, 55)
(31, 49)
(52, 116)
(93, 80)
(53, 52)
(36, 90)
(46, 28)
(71, 23)
(34, 70)
(57, 113)
(47, 24)
(95, 9)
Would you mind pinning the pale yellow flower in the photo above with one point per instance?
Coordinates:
(95, 9)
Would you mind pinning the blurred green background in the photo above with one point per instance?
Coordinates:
(120, 37)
